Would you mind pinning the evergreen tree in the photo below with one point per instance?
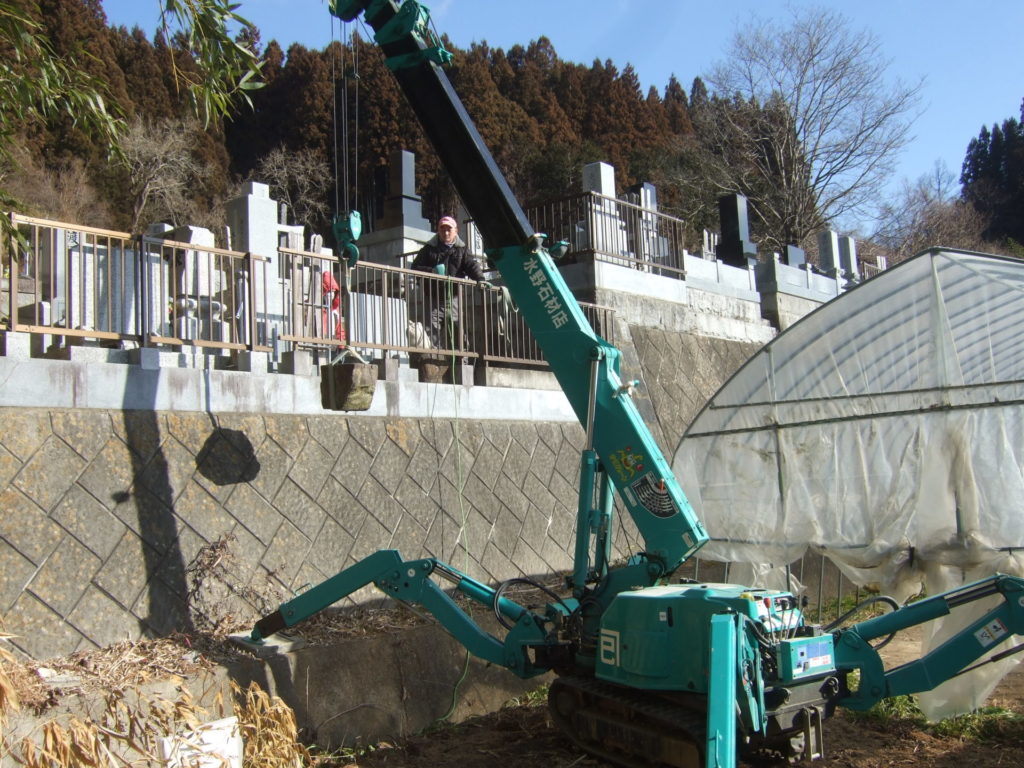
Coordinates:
(976, 162)
(137, 59)
(676, 108)
(698, 95)
(992, 179)
(251, 134)
(78, 33)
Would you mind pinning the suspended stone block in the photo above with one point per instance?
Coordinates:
(347, 386)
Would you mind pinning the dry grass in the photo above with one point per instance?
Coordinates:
(9, 698)
(127, 733)
(115, 668)
(130, 728)
(269, 730)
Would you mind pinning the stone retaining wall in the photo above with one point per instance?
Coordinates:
(105, 511)
(111, 517)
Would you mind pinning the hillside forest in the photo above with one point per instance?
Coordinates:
(323, 125)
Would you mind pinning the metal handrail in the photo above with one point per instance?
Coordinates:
(614, 231)
(107, 286)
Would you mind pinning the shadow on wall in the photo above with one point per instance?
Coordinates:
(153, 495)
(227, 457)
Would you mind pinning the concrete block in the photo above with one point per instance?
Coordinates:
(298, 362)
(91, 354)
(388, 369)
(17, 346)
(215, 358)
(38, 344)
(515, 378)
(64, 577)
(152, 359)
(407, 374)
(252, 362)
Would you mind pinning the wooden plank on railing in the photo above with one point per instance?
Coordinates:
(202, 248)
(22, 219)
(172, 341)
(315, 340)
(176, 342)
(539, 363)
(83, 333)
(218, 344)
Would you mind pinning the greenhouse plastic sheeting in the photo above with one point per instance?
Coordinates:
(884, 430)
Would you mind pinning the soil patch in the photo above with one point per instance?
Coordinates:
(523, 736)
(520, 735)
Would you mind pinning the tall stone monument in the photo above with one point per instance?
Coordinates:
(735, 248)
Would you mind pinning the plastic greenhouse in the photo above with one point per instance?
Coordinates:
(885, 430)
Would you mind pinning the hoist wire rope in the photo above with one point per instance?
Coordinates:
(346, 127)
(345, 180)
(355, 121)
(334, 109)
(448, 335)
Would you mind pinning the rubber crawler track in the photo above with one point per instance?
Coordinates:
(626, 727)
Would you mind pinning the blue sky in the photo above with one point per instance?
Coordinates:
(968, 52)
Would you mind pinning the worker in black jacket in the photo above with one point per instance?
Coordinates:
(444, 254)
(447, 249)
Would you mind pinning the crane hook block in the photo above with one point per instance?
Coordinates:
(347, 229)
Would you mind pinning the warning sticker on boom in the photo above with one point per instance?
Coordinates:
(991, 633)
(653, 496)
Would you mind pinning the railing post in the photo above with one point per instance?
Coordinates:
(347, 305)
(485, 304)
(297, 321)
(12, 281)
(142, 309)
(249, 318)
(589, 202)
(385, 292)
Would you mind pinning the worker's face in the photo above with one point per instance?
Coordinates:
(446, 234)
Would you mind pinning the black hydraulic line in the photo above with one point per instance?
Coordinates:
(891, 602)
(500, 591)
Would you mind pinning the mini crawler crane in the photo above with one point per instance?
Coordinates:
(649, 672)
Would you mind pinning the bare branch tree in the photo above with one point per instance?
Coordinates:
(299, 179)
(809, 127)
(160, 170)
(929, 213)
(63, 192)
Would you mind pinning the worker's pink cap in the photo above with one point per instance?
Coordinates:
(447, 221)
